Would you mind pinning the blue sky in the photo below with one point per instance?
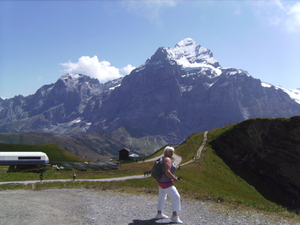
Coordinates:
(42, 40)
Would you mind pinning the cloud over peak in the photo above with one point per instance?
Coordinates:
(102, 70)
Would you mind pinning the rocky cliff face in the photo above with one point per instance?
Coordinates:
(266, 153)
(177, 92)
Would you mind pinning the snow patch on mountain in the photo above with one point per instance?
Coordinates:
(293, 93)
(112, 88)
(193, 66)
(233, 71)
(192, 56)
(75, 126)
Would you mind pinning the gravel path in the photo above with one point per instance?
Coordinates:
(103, 207)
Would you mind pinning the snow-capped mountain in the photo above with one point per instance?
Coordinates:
(176, 92)
(192, 56)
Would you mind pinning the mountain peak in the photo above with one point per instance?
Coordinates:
(185, 42)
(191, 56)
(73, 76)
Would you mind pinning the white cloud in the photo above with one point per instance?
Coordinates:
(127, 69)
(279, 4)
(92, 67)
(280, 13)
(293, 21)
(149, 9)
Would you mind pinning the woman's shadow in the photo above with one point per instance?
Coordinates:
(148, 222)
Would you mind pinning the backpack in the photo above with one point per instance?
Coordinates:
(158, 169)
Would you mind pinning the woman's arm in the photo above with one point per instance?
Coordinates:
(168, 165)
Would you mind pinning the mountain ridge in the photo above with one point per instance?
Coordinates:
(176, 92)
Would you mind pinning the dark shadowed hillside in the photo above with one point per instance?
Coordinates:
(266, 153)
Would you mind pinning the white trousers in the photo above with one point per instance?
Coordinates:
(173, 194)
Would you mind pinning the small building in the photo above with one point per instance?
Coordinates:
(124, 154)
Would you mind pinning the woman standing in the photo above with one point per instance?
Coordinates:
(166, 188)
